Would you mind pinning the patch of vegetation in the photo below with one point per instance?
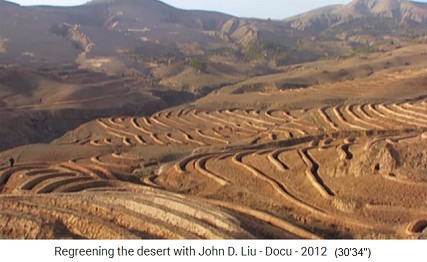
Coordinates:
(326, 57)
(283, 59)
(295, 56)
(151, 53)
(197, 63)
(260, 48)
(361, 49)
(416, 38)
(142, 173)
(224, 51)
(367, 49)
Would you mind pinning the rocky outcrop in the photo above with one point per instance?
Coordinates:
(113, 20)
(72, 33)
(239, 32)
(81, 41)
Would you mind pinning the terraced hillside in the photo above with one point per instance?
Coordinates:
(354, 183)
(343, 171)
(230, 127)
(345, 158)
(67, 200)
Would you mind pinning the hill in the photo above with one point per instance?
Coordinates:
(134, 119)
(115, 35)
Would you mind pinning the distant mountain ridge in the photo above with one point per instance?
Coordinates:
(115, 35)
(400, 11)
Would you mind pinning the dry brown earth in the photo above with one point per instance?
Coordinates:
(345, 159)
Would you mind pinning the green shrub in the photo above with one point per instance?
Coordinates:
(260, 48)
(223, 51)
(197, 63)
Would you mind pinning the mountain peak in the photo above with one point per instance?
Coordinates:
(372, 4)
(399, 11)
(134, 2)
(107, 1)
(389, 7)
(375, 1)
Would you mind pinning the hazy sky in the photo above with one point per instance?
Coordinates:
(275, 9)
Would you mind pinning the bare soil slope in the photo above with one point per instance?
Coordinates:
(340, 160)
